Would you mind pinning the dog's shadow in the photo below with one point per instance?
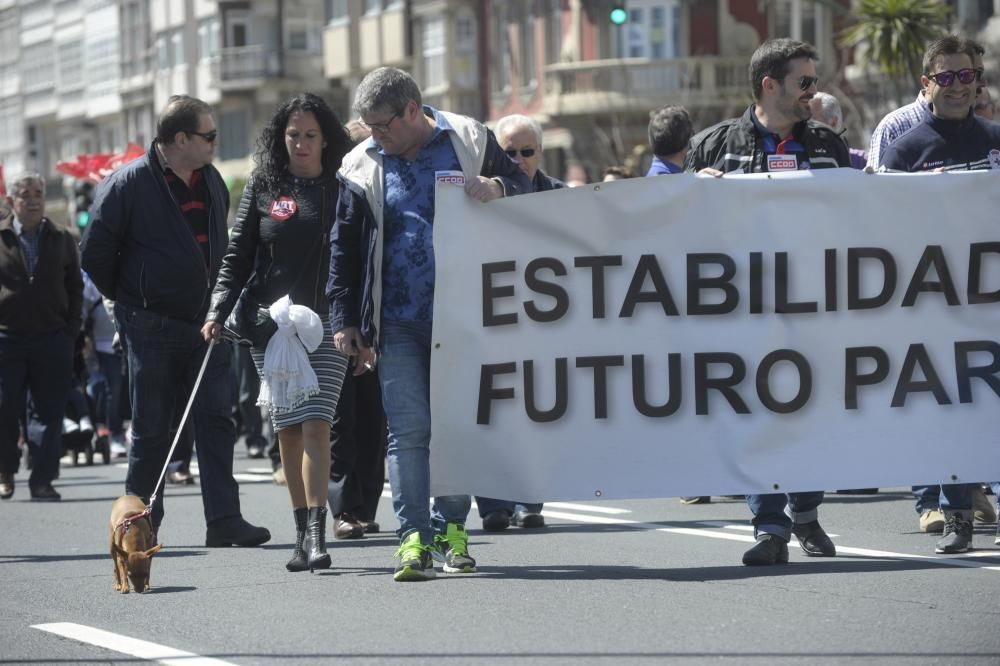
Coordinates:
(170, 589)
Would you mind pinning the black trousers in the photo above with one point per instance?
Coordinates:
(357, 448)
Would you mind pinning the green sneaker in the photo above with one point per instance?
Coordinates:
(415, 560)
(453, 547)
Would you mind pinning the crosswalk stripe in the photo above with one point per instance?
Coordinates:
(126, 645)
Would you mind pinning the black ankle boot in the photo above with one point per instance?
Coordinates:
(318, 557)
(299, 561)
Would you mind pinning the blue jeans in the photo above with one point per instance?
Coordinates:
(164, 356)
(489, 505)
(43, 365)
(104, 388)
(948, 497)
(769, 516)
(405, 375)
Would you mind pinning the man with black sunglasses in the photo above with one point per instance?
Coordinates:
(154, 245)
(776, 134)
(521, 138)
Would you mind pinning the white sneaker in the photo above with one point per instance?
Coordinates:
(70, 426)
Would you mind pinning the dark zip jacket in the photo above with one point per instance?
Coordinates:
(50, 300)
(971, 144)
(140, 251)
(734, 145)
(273, 252)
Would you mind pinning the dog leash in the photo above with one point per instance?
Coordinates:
(180, 426)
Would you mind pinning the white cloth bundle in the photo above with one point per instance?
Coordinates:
(288, 379)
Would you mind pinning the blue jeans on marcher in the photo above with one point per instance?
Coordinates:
(164, 356)
(405, 375)
(948, 497)
(43, 365)
(489, 505)
(104, 389)
(769, 516)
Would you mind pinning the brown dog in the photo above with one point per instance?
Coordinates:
(132, 542)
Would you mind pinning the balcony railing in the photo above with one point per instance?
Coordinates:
(635, 84)
(244, 65)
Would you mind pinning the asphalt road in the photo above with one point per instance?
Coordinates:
(648, 581)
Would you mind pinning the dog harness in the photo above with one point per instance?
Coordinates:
(131, 518)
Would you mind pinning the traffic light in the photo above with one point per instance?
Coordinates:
(618, 14)
(83, 197)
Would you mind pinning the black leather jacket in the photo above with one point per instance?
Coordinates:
(279, 246)
(734, 145)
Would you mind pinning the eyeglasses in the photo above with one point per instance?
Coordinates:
(207, 136)
(525, 152)
(947, 77)
(807, 82)
(380, 127)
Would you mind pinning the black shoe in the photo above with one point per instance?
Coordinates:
(769, 549)
(299, 561)
(255, 451)
(316, 528)
(957, 535)
(496, 521)
(45, 493)
(813, 540)
(235, 531)
(528, 519)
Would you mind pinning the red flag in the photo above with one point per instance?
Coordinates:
(3, 185)
(95, 167)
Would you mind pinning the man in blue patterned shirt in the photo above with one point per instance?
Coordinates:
(381, 286)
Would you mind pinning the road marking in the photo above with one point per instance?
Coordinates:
(956, 560)
(587, 507)
(129, 646)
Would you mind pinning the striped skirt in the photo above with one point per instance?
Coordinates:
(330, 367)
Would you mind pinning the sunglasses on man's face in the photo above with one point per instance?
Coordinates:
(207, 136)
(807, 82)
(525, 152)
(947, 77)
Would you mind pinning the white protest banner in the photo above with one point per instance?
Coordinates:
(686, 335)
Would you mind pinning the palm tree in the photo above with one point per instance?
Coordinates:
(896, 34)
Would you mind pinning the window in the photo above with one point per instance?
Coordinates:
(526, 44)
(162, 52)
(553, 32)
(234, 130)
(134, 39)
(301, 35)
(38, 67)
(336, 10)
(11, 126)
(9, 36)
(653, 29)
(70, 64)
(372, 6)
(795, 19)
(179, 57)
(433, 43)
(501, 47)
(208, 37)
(463, 67)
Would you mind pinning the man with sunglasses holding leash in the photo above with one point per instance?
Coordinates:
(776, 134)
(154, 245)
(950, 138)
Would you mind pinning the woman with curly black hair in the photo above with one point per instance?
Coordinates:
(279, 246)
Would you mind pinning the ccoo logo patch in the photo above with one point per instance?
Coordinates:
(283, 208)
